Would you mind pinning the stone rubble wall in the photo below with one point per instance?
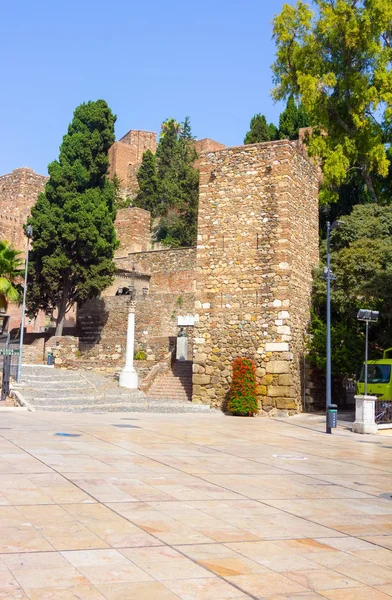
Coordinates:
(102, 326)
(125, 157)
(257, 244)
(18, 193)
(171, 270)
(133, 230)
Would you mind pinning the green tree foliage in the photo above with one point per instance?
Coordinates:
(10, 272)
(362, 263)
(169, 184)
(291, 120)
(242, 395)
(73, 219)
(148, 194)
(261, 131)
(337, 61)
(120, 201)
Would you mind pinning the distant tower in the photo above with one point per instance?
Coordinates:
(18, 194)
(126, 155)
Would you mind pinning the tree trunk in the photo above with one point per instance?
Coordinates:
(62, 309)
(369, 183)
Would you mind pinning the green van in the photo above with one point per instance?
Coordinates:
(379, 377)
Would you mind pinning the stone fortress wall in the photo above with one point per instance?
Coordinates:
(125, 157)
(257, 245)
(247, 283)
(18, 193)
(164, 281)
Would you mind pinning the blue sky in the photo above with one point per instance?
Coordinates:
(149, 60)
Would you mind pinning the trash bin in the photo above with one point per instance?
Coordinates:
(50, 359)
(332, 416)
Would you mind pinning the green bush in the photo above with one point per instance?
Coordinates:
(242, 396)
(140, 355)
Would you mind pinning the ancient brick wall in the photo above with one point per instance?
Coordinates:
(18, 193)
(257, 244)
(168, 275)
(133, 230)
(207, 145)
(171, 270)
(125, 157)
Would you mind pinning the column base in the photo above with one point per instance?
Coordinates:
(360, 427)
(129, 378)
(364, 415)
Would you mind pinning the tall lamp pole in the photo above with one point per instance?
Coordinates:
(329, 276)
(29, 235)
(128, 376)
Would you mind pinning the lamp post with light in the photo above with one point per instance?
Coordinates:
(329, 276)
(29, 235)
(128, 376)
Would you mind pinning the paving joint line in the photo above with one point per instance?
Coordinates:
(136, 525)
(197, 477)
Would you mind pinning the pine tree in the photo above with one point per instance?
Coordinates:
(179, 184)
(169, 184)
(73, 219)
(148, 194)
(260, 131)
(291, 120)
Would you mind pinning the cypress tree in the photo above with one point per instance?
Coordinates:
(148, 194)
(73, 219)
(291, 120)
(169, 184)
(260, 131)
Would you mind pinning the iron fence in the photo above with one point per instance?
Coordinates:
(383, 411)
(9, 354)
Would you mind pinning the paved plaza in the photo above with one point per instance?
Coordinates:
(192, 507)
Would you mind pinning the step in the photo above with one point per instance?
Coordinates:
(148, 407)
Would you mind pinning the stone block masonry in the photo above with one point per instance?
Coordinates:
(125, 157)
(169, 277)
(133, 230)
(18, 193)
(257, 246)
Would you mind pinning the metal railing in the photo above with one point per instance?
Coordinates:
(9, 353)
(383, 412)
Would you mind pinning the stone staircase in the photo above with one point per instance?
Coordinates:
(175, 384)
(45, 388)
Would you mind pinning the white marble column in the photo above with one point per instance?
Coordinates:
(128, 376)
(365, 414)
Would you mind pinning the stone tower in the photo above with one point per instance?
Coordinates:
(18, 193)
(257, 246)
(125, 157)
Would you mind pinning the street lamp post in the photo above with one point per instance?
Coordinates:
(29, 235)
(128, 376)
(329, 276)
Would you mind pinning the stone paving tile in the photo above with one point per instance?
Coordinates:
(267, 584)
(43, 570)
(137, 591)
(61, 530)
(110, 527)
(12, 594)
(105, 566)
(78, 592)
(204, 589)
(362, 593)
(191, 507)
(322, 579)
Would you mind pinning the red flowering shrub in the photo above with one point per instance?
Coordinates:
(242, 396)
